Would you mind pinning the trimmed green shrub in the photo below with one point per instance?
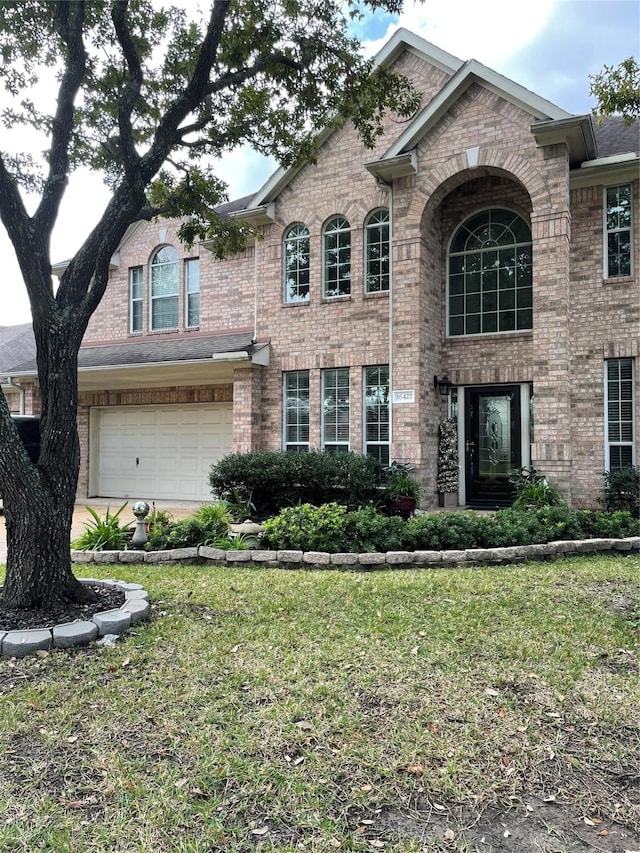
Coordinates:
(608, 525)
(271, 480)
(307, 528)
(368, 530)
(444, 531)
(622, 490)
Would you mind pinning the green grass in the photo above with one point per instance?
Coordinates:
(277, 710)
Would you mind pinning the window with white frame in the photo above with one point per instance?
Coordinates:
(136, 292)
(336, 254)
(191, 292)
(335, 409)
(376, 412)
(619, 413)
(296, 410)
(296, 264)
(618, 231)
(489, 280)
(164, 289)
(376, 278)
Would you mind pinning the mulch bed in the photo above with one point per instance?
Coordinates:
(16, 619)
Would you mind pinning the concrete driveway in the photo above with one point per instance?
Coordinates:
(178, 509)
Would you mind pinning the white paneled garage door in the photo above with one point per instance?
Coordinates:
(162, 452)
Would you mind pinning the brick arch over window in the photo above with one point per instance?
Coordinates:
(434, 185)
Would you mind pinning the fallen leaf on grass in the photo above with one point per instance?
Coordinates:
(305, 725)
(72, 739)
(180, 783)
(34, 705)
(449, 835)
(490, 691)
(262, 831)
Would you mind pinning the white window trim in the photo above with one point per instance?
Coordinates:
(153, 298)
(285, 443)
(323, 443)
(451, 238)
(305, 299)
(608, 444)
(368, 227)
(133, 300)
(606, 232)
(365, 443)
(188, 293)
(340, 231)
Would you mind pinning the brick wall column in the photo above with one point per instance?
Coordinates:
(247, 408)
(551, 449)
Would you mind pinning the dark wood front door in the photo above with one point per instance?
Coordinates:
(492, 443)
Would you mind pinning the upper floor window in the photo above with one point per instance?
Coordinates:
(335, 409)
(490, 275)
(619, 413)
(135, 299)
(296, 264)
(336, 253)
(296, 410)
(376, 278)
(192, 292)
(376, 412)
(164, 289)
(618, 231)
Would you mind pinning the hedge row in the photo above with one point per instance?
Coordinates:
(332, 528)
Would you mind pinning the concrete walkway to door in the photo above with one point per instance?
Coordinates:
(178, 509)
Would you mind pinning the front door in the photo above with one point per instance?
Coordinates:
(492, 443)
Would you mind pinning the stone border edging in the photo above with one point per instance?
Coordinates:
(136, 608)
(390, 559)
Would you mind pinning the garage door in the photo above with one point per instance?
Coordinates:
(160, 452)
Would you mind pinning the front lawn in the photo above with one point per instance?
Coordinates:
(323, 711)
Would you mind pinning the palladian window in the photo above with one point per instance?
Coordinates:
(490, 275)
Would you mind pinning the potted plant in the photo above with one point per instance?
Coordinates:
(448, 463)
(402, 493)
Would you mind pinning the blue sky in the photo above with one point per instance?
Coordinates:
(549, 46)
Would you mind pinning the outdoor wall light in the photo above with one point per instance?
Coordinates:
(443, 384)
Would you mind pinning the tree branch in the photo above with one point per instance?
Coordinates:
(69, 19)
(127, 101)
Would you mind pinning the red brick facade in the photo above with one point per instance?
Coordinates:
(478, 153)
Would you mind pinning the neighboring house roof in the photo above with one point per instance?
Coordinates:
(17, 345)
(614, 137)
(158, 352)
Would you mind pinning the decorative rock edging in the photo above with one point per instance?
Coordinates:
(390, 559)
(136, 608)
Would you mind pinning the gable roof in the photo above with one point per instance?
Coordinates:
(462, 75)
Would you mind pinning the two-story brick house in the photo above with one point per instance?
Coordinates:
(487, 248)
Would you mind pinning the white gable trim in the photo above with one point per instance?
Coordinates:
(472, 72)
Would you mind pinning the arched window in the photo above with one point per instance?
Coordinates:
(490, 275)
(164, 289)
(296, 264)
(336, 253)
(376, 274)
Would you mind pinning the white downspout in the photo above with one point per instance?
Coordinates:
(255, 288)
(14, 384)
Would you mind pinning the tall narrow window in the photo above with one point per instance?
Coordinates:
(337, 258)
(376, 412)
(135, 299)
(618, 231)
(296, 410)
(192, 292)
(490, 275)
(335, 409)
(619, 413)
(376, 277)
(164, 289)
(296, 264)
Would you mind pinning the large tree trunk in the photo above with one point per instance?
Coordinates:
(39, 500)
(38, 552)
